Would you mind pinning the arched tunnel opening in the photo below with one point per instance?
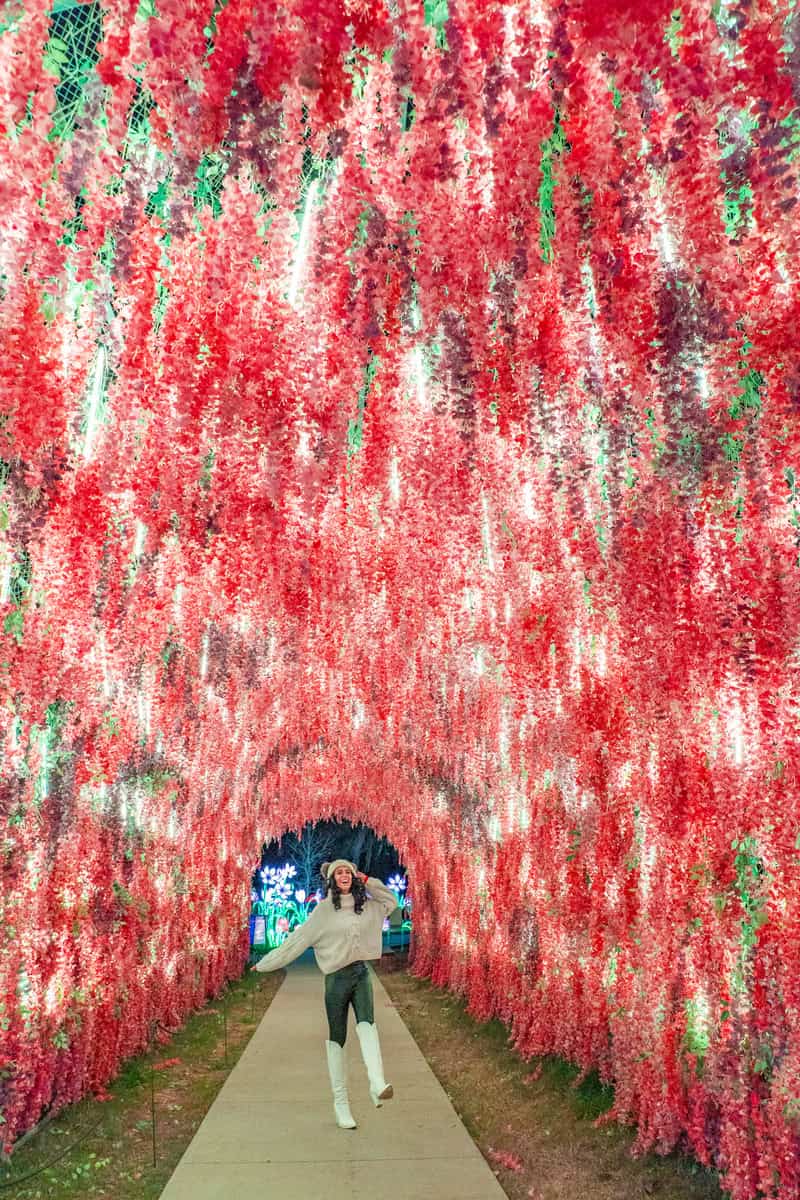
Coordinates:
(288, 881)
(398, 426)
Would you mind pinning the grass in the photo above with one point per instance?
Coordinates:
(534, 1122)
(109, 1143)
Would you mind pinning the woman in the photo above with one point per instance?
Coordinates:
(344, 929)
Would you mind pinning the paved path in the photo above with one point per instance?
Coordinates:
(271, 1134)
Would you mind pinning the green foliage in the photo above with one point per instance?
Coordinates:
(210, 176)
(157, 200)
(121, 894)
(160, 304)
(55, 716)
(749, 399)
(171, 648)
(738, 210)
(208, 470)
(10, 16)
(696, 1038)
(673, 33)
(437, 14)
(724, 17)
(552, 149)
(20, 582)
(750, 873)
(732, 447)
(574, 844)
(211, 29)
(139, 117)
(355, 430)
(407, 112)
(591, 1097)
(71, 55)
(357, 67)
(152, 782)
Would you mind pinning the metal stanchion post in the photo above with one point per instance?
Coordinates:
(153, 1028)
(153, 1108)
(225, 1022)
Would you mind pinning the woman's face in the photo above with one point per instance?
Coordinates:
(344, 878)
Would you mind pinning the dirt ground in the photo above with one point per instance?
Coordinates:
(534, 1127)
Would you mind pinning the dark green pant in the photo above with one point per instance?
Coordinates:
(350, 985)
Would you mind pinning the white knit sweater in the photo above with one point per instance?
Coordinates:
(339, 937)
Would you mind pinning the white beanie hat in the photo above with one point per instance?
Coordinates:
(327, 869)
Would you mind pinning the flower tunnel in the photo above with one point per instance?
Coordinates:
(399, 424)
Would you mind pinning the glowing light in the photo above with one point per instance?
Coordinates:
(487, 535)
(702, 383)
(600, 655)
(420, 376)
(95, 400)
(736, 741)
(143, 708)
(5, 579)
(204, 656)
(587, 275)
(52, 995)
(304, 444)
(504, 735)
(394, 479)
(101, 652)
(577, 656)
(663, 231)
(139, 540)
(302, 243)
(280, 907)
(471, 600)
(45, 765)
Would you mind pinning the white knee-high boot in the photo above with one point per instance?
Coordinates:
(379, 1089)
(338, 1074)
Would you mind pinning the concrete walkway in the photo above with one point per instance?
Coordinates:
(271, 1134)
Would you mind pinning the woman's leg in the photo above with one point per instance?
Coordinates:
(367, 1032)
(339, 987)
(337, 998)
(362, 1000)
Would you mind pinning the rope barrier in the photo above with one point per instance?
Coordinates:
(7, 1183)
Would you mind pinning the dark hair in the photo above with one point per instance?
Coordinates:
(357, 890)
